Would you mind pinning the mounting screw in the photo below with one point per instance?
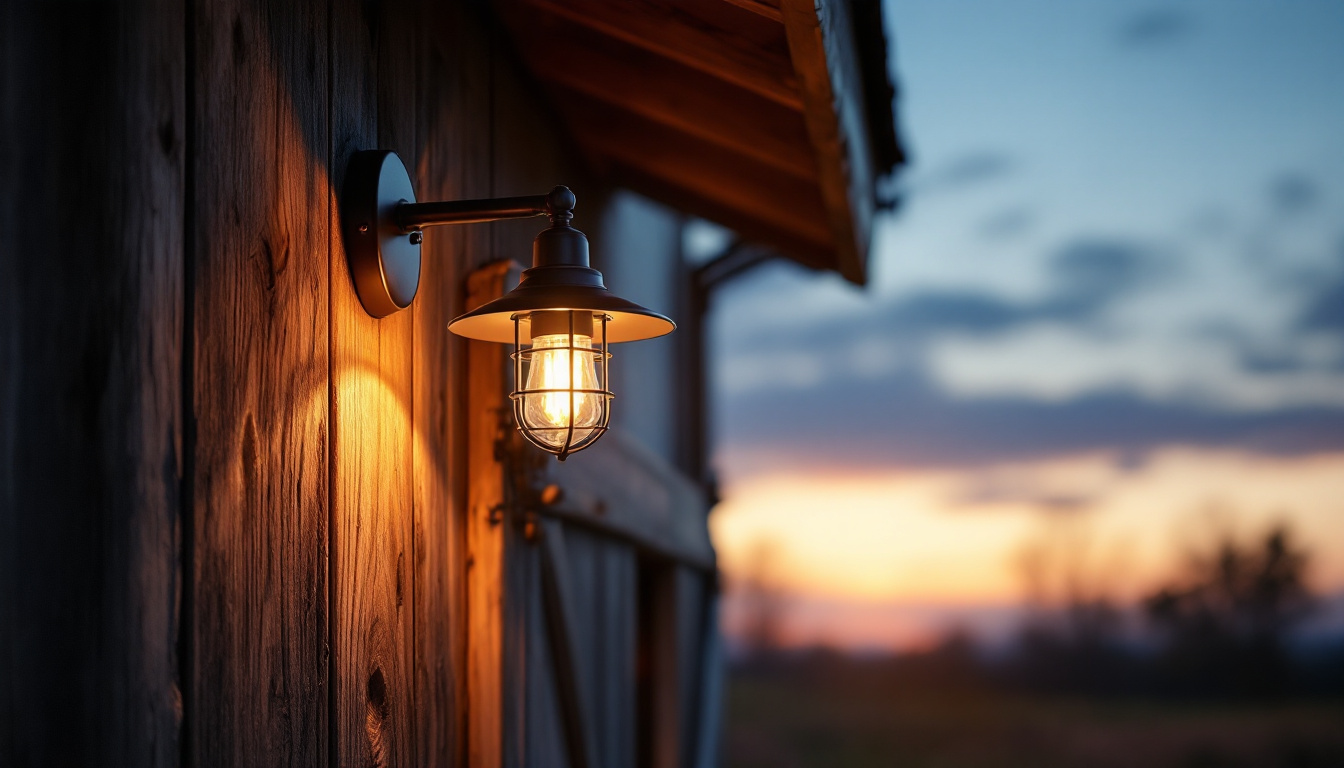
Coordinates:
(416, 237)
(363, 228)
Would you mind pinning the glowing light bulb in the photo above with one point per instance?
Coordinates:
(552, 367)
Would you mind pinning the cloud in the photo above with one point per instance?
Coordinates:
(954, 310)
(1293, 193)
(1325, 311)
(1090, 273)
(1155, 27)
(1103, 356)
(1086, 276)
(1054, 362)
(905, 419)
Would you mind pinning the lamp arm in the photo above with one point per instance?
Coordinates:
(558, 204)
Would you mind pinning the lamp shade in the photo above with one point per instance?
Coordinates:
(561, 280)
(560, 319)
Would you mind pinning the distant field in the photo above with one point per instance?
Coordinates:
(847, 719)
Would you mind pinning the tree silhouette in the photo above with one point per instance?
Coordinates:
(1224, 626)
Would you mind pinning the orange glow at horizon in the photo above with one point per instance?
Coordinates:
(936, 540)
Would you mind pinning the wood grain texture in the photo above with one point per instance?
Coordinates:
(259, 598)
(371, 402)
(821, 43)
(195, 364)
(663, 90)
(486, 566)
(454, 128)
(767, 8)
(90, 393)
(735, 45)
(720, 176)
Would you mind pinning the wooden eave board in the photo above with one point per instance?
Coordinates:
(745, 112)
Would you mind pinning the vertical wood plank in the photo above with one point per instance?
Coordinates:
(573, 678)
(661, 694)
(371, 471)
(615, 594)
(454, 130)
(486, 531)
(603, 575)
(91, 123)
(258, 629)
(536, 731)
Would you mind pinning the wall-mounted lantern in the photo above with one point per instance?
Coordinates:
(559, 319)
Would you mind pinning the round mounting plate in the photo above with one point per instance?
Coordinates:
(384, 263)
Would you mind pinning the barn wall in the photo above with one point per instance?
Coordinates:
(256, 528)
(92, 128)
(234, 508)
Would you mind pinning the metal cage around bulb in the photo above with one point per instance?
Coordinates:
(562, 399)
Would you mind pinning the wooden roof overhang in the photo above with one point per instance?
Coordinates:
(770, 117)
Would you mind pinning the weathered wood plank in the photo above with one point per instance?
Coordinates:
(258, 587)
(91, 121)
(486, 533)
(767, 8)
(661, 746)
(663, 90)
(603, 580)
(718, 175)
(623, 491)
(573, 678)
(454, 127)
(821, 43)
(371, 401)
(717, 38)
(540, 722)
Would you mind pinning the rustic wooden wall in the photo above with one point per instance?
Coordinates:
(256, 530)
(200, 429)
(91, 321)
(236, 526)
(328, 529)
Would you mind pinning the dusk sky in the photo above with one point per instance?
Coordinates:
(1106, 321)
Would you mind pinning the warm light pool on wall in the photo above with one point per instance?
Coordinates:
(559, 319)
